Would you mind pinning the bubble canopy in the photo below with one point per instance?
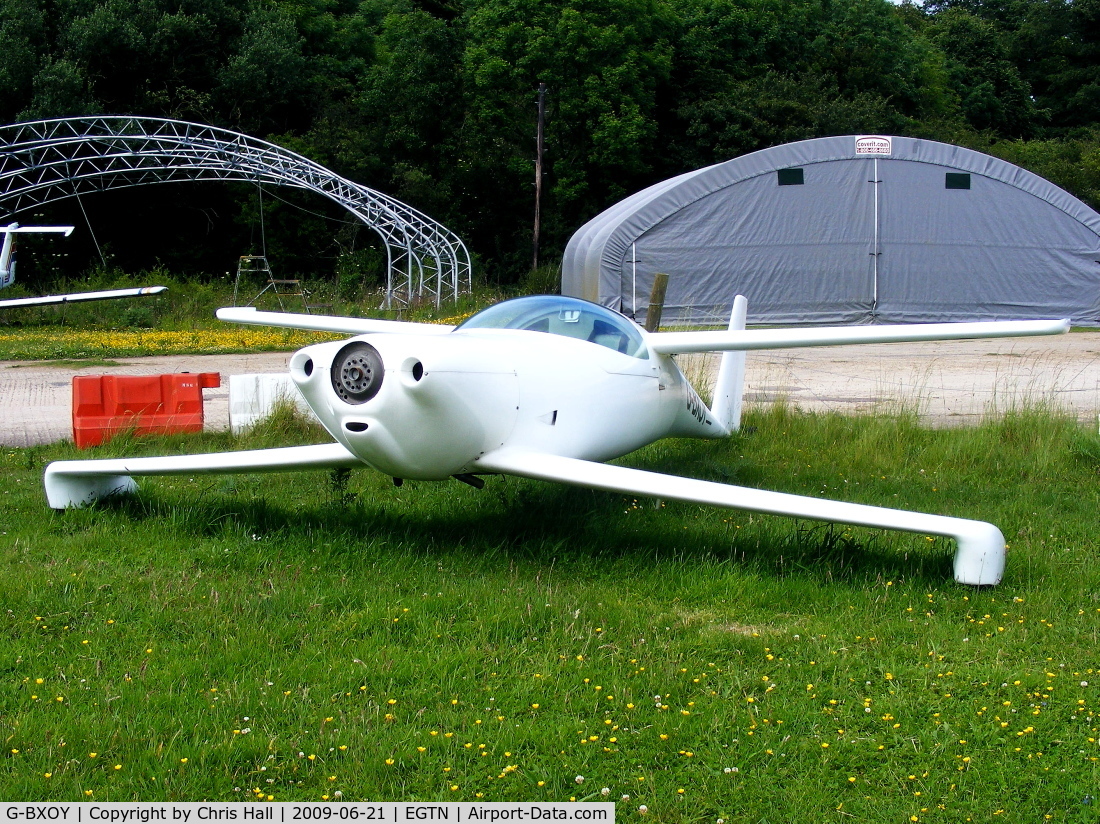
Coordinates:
(565, 316)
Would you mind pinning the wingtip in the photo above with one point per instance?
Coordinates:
(980, 556)
(228, 311)
(67, 487)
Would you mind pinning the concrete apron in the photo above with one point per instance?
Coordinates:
(36, 398)
(948, 384)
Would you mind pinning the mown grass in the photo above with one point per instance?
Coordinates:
(328, 635)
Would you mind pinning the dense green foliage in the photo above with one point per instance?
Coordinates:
(433, 101)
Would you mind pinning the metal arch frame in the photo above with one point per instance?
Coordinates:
(47, 160)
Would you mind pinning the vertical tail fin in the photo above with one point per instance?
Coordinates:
(7, 264)
(7, 252)
(729, 389)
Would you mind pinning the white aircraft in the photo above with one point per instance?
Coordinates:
(544, 387)
(7, 273)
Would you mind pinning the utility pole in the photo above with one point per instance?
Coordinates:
(538, 171)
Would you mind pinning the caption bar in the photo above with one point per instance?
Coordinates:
(120, 812)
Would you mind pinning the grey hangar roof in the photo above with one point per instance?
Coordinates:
(853, 229)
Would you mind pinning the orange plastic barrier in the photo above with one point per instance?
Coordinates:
(104, 405)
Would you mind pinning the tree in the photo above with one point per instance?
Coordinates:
(794, 71)
(604, 62)
(992, 95)
(262, 87)
(1054, 46)
(22, 39)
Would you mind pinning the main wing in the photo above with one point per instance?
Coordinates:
(326, 323)
(78, 297)
(979, 560)
(669, 343)
(78, 483)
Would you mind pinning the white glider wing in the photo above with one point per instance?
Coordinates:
(669, 343)
(327, 323)
(78, 297)
(16, 228)
(979, 560)
(77, 483)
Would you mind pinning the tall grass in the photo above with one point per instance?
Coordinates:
(327, 635)
(182, 321)
(190, 303)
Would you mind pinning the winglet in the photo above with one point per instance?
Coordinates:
(729, 388)
(64, 490)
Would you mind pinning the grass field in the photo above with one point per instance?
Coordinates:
(327, 635)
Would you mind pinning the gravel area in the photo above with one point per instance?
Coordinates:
(951, 383)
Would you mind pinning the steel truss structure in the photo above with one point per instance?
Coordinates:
(48, 160)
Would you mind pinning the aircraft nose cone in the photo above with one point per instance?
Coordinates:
(357, 372)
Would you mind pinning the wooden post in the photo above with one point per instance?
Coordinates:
(538, 170)
(656, 302)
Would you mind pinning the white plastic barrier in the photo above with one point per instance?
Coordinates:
(253, 397)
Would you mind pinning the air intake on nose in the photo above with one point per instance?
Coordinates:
(357, 372)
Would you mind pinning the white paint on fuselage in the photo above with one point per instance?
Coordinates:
(484, 389)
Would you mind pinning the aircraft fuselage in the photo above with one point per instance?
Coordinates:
(438, 403)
